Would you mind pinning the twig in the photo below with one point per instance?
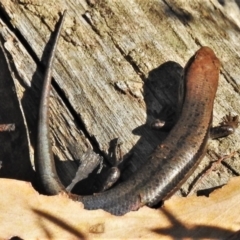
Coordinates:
(213, 165)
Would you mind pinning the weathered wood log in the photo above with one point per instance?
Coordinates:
(117, 65)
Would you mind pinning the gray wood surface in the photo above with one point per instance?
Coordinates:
(117, 64)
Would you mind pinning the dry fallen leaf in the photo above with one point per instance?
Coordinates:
(29, 215)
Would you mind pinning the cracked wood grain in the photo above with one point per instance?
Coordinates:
(117, 64)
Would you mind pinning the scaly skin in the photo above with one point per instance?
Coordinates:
(171, 162)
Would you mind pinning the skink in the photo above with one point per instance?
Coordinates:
(172, 161)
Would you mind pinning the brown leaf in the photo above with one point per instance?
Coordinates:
(28, 215)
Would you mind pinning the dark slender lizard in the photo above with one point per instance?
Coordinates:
(170, 164)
